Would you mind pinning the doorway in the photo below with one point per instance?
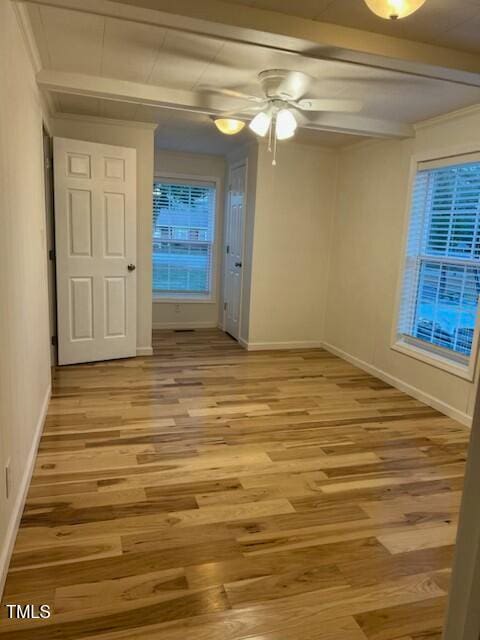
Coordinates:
(234, 241)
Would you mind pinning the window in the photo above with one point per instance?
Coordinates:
(183, 239)
(441, 287)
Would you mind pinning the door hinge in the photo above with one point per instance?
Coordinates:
(54, 341)
(228, 248)
(51, 254)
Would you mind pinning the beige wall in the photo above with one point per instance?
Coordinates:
(367, 257)
(139, 137)
(24, 326)
(193, 314)
(291, 243)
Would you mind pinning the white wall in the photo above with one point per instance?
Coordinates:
(24, 326)
(367, 257)
(140, 137)
(193, 314)
(291, 244)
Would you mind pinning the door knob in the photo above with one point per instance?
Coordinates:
(238, 264)
(131, 267)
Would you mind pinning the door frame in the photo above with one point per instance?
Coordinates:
(235, 165)
(463, 614)
(49, 196)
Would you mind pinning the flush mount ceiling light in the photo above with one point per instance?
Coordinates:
(394, 9)
(229, 126)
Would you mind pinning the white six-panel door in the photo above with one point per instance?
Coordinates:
(95, 227)
(234, 255)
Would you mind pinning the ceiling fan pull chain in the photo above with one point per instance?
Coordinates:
(270, 136)
(274, 161)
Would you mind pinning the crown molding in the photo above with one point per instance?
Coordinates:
(23, 20)
(446, 117)
(132, 124)
(25, 26)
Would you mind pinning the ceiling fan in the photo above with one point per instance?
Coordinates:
(282, 108)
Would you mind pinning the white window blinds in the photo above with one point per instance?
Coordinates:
(442, 270)
(183, 236)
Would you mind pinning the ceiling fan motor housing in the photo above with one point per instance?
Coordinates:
(283, 84)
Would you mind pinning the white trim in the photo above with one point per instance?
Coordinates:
(183, 298)
(27, 33)
(424, 354)
(445, 117)
(396, 343)
(144, 351)
(416, 393)
(204, 324)
(235, 164)
(444, 152)
(132, 124)
(472, 157)
(17, 511)
(211, 296)
(25, 26)
(271, 346)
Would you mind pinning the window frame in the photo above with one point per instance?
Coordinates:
(423, 351)
(189, 297)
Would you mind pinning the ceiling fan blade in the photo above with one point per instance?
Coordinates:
(232, 93)
(242, 111)
(326, 104)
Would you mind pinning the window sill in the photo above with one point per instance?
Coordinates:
(183, 298)
(436, 360)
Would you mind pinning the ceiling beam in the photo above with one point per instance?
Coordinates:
(291, 34)
(359, 126)
(134, 92)
(166, 98)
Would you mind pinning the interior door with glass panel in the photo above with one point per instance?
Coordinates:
(234, 249)
(95, 229)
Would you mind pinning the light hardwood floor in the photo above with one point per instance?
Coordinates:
(209, 493)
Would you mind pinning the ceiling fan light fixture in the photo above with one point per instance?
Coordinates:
(393, 9)
(229, 126)
(261, 124)
(285, 125)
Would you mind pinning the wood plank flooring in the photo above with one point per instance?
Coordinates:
(209, 493)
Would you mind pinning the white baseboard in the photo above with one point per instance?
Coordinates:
(17, 511)
(144, 351)
(270, 346)
(207, 324)
(416, 393)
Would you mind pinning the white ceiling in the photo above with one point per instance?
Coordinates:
(448, 23)
(92, 44)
